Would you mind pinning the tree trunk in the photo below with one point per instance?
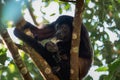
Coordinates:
(76, 40)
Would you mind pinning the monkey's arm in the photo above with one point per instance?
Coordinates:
(37, 46)
(47, 31)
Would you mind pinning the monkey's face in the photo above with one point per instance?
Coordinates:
(63, 32)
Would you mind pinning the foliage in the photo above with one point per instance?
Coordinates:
(102, 20)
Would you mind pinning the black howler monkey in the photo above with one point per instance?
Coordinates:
(59, 59)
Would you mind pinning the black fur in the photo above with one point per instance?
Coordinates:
(64, 46)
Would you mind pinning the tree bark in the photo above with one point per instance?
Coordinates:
(14, 51)
(76, 40)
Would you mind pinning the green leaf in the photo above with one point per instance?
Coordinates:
(87, 1)
(3, 58)
(114, 65)
(52, 14)
(2, 50)
(67, 6)
(103, 68)
(60, 10)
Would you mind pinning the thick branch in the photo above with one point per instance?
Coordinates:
(14, 51)
(76, 40)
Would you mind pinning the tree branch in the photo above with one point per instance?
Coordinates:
(76, 40)
(14, 51)
(1, 42)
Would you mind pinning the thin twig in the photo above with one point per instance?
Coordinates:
(1, 41)
(29, 6)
